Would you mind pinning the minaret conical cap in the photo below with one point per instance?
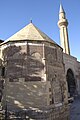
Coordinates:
(61, 9)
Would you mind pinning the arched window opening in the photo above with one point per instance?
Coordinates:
(71, 83)
(36, 55)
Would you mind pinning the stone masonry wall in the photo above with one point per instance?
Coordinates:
(35, 81)
(24, 74)
(55, 74)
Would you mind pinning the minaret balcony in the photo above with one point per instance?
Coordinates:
(62, 22)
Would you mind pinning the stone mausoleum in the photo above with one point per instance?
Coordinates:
(37, 76)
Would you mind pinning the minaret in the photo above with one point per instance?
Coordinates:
(63, 23)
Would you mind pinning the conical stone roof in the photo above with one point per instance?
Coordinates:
(30, 32)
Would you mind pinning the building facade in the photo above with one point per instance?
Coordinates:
(37, 75)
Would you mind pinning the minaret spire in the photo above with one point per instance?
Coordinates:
(31, 20)
(63, 23)
(61, 9)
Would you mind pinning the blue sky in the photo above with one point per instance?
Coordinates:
(15, 14)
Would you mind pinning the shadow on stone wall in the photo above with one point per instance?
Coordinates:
(23, 73)
(21, 63)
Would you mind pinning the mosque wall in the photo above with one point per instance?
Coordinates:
(34, 79)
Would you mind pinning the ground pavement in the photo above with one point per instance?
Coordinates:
(75, 109)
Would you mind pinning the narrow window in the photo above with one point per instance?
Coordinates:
(3, 72)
